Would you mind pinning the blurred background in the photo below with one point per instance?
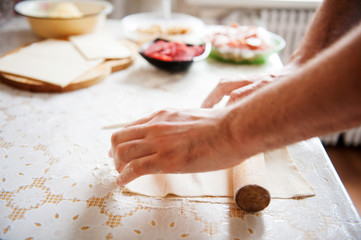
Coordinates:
(288, 18)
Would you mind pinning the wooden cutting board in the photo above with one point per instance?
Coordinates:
(90, 78)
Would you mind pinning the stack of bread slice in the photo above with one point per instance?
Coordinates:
(54, 65)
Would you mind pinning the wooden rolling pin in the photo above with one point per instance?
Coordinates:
(250, 185)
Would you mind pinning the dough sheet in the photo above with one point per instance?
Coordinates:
(95, 46)
(283, 178)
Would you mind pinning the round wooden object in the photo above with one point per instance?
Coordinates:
(90, 78)
(250, 184)
(252, 198)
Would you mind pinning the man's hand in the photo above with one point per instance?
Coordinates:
(236, 88)
(174, 142)
(240, 87)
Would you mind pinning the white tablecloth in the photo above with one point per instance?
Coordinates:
(57, 181)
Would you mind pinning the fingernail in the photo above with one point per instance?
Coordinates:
(118, 181)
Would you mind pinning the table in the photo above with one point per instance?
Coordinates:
(57, 181)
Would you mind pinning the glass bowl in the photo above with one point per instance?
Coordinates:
(228, 52)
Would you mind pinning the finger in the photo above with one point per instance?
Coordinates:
(125, 135)
(137, 168)
(125, 152)
(222, 89)
(241, 93)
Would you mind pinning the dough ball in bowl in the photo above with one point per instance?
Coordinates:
(64, 18)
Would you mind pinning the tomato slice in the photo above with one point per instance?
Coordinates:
(160, 57)
(173, 51)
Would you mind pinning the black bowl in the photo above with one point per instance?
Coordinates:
(173, 66)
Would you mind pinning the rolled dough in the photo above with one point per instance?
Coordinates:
(284, 181)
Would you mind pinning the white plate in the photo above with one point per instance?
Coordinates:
(143, 27)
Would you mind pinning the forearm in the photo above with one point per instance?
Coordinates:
(333, 19)
(321, 97)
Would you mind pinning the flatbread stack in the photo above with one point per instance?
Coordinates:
(55, 65)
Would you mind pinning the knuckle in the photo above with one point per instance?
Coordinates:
(114, 138)
(119, 149)
(163, 112)
(144, 168)
(156, 114)
(224, 82)
(118, 165)
(162, 115)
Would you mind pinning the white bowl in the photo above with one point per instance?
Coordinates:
(144, 27)
(39, 15)
(225, 53)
